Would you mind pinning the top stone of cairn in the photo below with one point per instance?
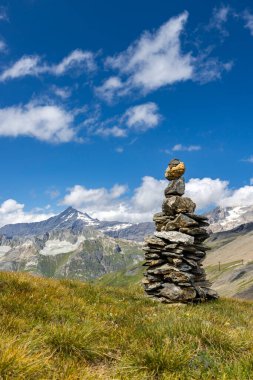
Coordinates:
(175, 169)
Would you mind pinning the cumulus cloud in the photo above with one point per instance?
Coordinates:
(138, 119)
(147, 198)
(239, 197)
(108, 89)
(157, 59)
(186, 148)
(49, 123)
(112, 205)
(206, 192)
(111, 132)
(142, 117)
(13, 212)
(33, 65)
(152, 61)
(62, 92)
(80, 197)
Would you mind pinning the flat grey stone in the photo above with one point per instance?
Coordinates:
(174, 236)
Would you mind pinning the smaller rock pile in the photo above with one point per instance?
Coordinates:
(175, 252)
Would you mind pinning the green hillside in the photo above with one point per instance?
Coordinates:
(62, 329)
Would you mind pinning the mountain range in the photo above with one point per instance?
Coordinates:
(75, 245)
(71, 244)
(220, 219)
(77, 221)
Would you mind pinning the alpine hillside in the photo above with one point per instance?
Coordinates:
(67, 245)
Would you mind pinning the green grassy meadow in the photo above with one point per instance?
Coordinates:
(63, 329)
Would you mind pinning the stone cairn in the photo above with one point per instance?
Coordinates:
(175, 252)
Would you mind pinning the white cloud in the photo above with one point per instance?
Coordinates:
(239, 197)
(142, 117)
(109, 204)
(138, 118)
(24, 66)
(33, 65)
(206, 192)
(109, 88)
(153, 61)
(248, 18)
(210, 69)
(76, 59)
(111, 132)
(62, 92)
(13, 212)
(81, 197)
(114, 204)
(189, 148)
(147, 198)
(157, 59)
(219, 18)
(49, 123)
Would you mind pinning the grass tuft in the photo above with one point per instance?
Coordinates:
(68, 330)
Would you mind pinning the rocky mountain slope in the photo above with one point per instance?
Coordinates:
(84, 253)
(76, 221)
(227, 218)
(230, 262)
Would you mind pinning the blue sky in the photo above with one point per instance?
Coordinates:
(96, 97)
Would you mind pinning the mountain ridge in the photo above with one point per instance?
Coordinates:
(77, 220)
(220, 219)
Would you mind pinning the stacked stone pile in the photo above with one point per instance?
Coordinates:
(174, 254)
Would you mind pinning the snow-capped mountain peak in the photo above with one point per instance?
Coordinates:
(72, 215)
(69, 218)
(227, 218)
(75, 220)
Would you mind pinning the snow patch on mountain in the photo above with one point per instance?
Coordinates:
(117, 227)
(87, 219)
(227, 218)
(4, 249)
(57, 247)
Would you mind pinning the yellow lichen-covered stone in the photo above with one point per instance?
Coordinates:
(174, 171)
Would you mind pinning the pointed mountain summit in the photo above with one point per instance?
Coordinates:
(69, 218)
(76, 221)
